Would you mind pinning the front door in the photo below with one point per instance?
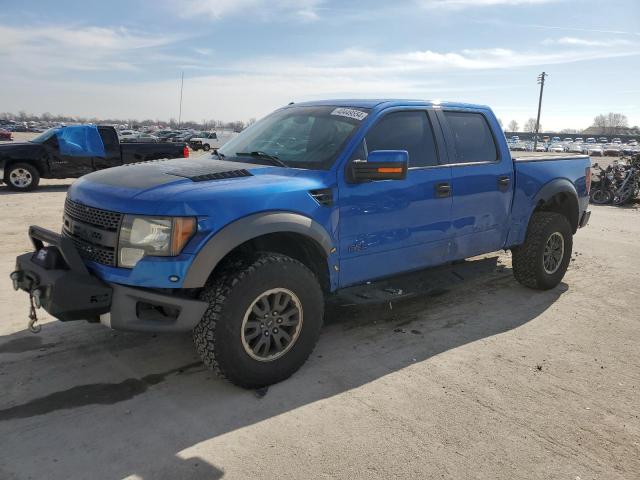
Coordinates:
(66, 166)
(392, 226)
(481, 184)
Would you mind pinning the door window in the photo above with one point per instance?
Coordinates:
(410, 131)
(472, 137)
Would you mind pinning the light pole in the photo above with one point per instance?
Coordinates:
(541, 78)
(180, 112)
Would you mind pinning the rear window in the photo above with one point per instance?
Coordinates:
(472, 137)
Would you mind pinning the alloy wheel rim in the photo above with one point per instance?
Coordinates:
(271, 325)
(20, 177)
(553, 253)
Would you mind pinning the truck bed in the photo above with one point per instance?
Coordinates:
(542, 156)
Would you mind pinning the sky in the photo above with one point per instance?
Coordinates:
(244, 58)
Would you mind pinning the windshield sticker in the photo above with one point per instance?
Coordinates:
(350, 113)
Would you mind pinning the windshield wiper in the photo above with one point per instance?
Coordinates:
(259, 154)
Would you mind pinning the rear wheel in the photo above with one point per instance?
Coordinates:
(542, 260)
(21, 177)
(206, 147)
(263, 321)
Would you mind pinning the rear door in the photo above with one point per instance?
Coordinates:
(481, 182)
(113, 156)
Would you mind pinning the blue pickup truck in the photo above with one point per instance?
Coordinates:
(243, 248)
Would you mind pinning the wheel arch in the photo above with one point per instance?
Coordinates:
(559, 196)
(39, 165)
(287, 233)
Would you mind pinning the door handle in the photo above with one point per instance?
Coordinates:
(503, 182)
(443, 190)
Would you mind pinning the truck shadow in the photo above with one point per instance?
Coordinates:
(151, 391)
(42, 189)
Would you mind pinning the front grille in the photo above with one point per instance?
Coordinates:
(94, 253)
(102, 252)
(93, 216)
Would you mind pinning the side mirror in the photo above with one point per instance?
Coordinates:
(381, 165)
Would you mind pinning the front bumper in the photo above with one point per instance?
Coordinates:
(58, 277)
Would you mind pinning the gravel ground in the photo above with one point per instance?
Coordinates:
(486, 380)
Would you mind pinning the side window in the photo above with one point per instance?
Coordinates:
(109, 138)
(410, 131)
(472, 136)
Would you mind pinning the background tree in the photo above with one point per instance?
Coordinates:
(513, 126)
(530, 126)
(610, 123)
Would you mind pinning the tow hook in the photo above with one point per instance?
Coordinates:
(34, 302)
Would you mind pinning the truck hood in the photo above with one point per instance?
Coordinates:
(193, 186)
(15, 147)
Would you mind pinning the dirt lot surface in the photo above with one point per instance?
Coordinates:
(486, 380)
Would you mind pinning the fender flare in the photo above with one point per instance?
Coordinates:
(554, 187)
(559, 185)
(248, 228)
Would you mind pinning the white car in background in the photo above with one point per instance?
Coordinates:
(205, 142)
(593, 150)
(556, 148)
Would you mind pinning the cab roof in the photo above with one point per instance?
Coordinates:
(388, 102)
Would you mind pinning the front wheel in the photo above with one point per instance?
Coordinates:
(263, 321)
(542, 260)
(22, 177)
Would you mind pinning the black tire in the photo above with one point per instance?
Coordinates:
(219, 336)
(528, 259)
(28, 174)
(206, 147)
(601, 196)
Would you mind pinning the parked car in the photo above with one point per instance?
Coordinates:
(5, 134)
(611, 151)
(591, 140)
(616, 140)
(244, 249)
(575, 148)
(185, 137)
(139, 137)
(557, 148)
(205, 142)
(593, 150)
(54, 154)
(567, 139)
(555, 140)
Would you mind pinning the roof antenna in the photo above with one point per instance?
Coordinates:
(290, 103)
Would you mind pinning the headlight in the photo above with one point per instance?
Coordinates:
(156, 236)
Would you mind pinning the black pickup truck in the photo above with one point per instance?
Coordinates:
(22, 165)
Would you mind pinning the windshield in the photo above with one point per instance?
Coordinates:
(300, 137)
(46, 135)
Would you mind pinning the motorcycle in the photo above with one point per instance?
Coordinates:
(629, 187)
(603, 185)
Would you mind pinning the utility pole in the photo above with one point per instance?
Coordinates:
(541, 78)
(180, 113)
